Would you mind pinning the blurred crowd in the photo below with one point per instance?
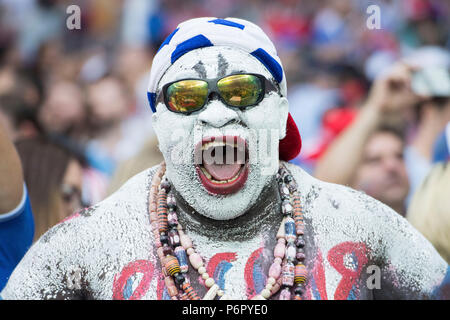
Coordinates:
(371, 104)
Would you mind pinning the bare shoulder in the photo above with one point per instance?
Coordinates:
(95, 243)
(346, 214)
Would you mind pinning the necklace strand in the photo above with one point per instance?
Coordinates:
(174, 248)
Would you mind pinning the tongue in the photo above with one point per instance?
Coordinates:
(222, 171)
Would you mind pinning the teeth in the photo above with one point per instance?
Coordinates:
(219, 181)
(217, 144)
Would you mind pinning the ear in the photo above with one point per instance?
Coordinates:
(283, 111)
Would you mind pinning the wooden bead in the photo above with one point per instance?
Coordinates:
(170, 285)
(162, 211)
(205, 276)
(187, 288)
(171, 265)
(300, 274)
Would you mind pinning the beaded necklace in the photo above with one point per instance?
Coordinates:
(175, 248)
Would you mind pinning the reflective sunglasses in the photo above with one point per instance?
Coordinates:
(236, 91)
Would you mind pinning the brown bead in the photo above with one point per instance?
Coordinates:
(187, 288)
(170, 285)
(162, 211)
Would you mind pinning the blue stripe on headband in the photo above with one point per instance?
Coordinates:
(169, 37)
(151, 96)
(270, 63)
(228, 23)
(196, 42)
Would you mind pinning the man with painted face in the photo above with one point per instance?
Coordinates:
(225, 217)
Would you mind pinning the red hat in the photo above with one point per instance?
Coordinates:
(291, 144)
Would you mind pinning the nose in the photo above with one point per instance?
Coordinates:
(217, 115)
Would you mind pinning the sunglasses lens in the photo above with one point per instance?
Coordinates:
(187, 95)
(241, 90)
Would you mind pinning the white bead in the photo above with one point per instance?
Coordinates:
(190, 251)
(209, 282)
(271, 280)
(205, 276)
(225, 297)
(220, 293)
(258, 297)
(265, 293)
(201, 270)
(211, 294)
(269, 286)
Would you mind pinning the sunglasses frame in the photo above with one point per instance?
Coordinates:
(267, 86)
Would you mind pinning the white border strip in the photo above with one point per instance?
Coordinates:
(17, 210)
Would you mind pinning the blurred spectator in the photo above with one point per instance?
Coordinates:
(148, 157)
(432, 114)
(53, 174)
(382, 171)
(16, 218)
(63, 110)
(429, 211)
(326, 48)
(109, 105)
(359, 154)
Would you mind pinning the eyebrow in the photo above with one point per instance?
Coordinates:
(200, 69)
(222, 65)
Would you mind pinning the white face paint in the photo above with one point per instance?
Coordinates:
(179, 133)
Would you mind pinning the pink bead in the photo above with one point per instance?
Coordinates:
(155, 225)
(275, 270)
(277, 260)
(196, 260)
(185, 240)
(279, 250)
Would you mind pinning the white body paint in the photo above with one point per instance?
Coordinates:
(118, 232)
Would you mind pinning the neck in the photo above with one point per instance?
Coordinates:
(263, 214)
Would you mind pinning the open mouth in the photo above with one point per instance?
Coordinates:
(222, 164)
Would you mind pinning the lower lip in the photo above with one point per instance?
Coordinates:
(224, 188)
